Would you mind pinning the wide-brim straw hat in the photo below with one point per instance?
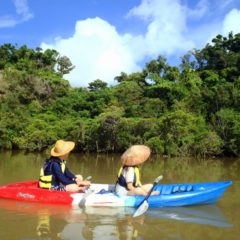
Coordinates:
(61, 148)
(135, 155)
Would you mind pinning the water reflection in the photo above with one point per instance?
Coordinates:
(207, 214)
(66, 222)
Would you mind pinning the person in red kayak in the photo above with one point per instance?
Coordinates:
(55, 175)
(128, 182)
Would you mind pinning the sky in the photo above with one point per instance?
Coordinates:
(103, 38)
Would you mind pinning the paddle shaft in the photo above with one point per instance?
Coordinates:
(86, 194)
(149, 193)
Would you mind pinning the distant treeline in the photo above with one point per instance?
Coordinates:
(193, 109)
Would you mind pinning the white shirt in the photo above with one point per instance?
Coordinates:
(128, 174)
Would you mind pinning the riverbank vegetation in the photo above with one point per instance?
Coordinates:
(192, 109)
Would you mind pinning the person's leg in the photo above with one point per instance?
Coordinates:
(122, 191)
(148, 187)
(73, 188)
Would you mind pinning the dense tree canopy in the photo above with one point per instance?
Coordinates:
(190, 110)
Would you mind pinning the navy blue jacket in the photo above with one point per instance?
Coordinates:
(53, 167)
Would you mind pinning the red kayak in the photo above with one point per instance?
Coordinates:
(29, 191)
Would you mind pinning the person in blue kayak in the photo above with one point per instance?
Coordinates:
(55, 175)
(128, 182)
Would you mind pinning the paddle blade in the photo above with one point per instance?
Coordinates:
(142, 209)
(86, 194)
(88, 178)
(159, 178)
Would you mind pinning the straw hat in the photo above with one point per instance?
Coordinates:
(135, 155)
(61, 148)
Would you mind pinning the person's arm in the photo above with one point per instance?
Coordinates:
(77, 180)
(60, 176)
(69, 174)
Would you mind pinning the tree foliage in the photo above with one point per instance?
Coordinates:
(192, 109)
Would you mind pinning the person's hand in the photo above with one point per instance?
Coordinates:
(82, 182)
(79, 177)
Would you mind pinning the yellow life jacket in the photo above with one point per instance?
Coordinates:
(122, 181)
(45, 181)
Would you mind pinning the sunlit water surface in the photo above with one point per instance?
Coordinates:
(28, 221)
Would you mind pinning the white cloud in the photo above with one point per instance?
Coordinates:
(99, 51)
(7, 21)
(231, 22)
(23, 10)
(200, 10)
(167, 26)
(23, 15)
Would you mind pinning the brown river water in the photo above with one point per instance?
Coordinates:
(28, 221)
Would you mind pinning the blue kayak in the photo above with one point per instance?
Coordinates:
(175, 195)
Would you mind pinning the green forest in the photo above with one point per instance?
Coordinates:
(189, 110)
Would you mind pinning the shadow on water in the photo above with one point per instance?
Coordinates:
(91, 222)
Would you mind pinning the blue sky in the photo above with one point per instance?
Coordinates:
(106, 37)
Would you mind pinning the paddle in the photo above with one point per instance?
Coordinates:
(88, 178)
(87, 193)
(143, 207)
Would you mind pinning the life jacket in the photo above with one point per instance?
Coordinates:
(122, 181)
(45, 181)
